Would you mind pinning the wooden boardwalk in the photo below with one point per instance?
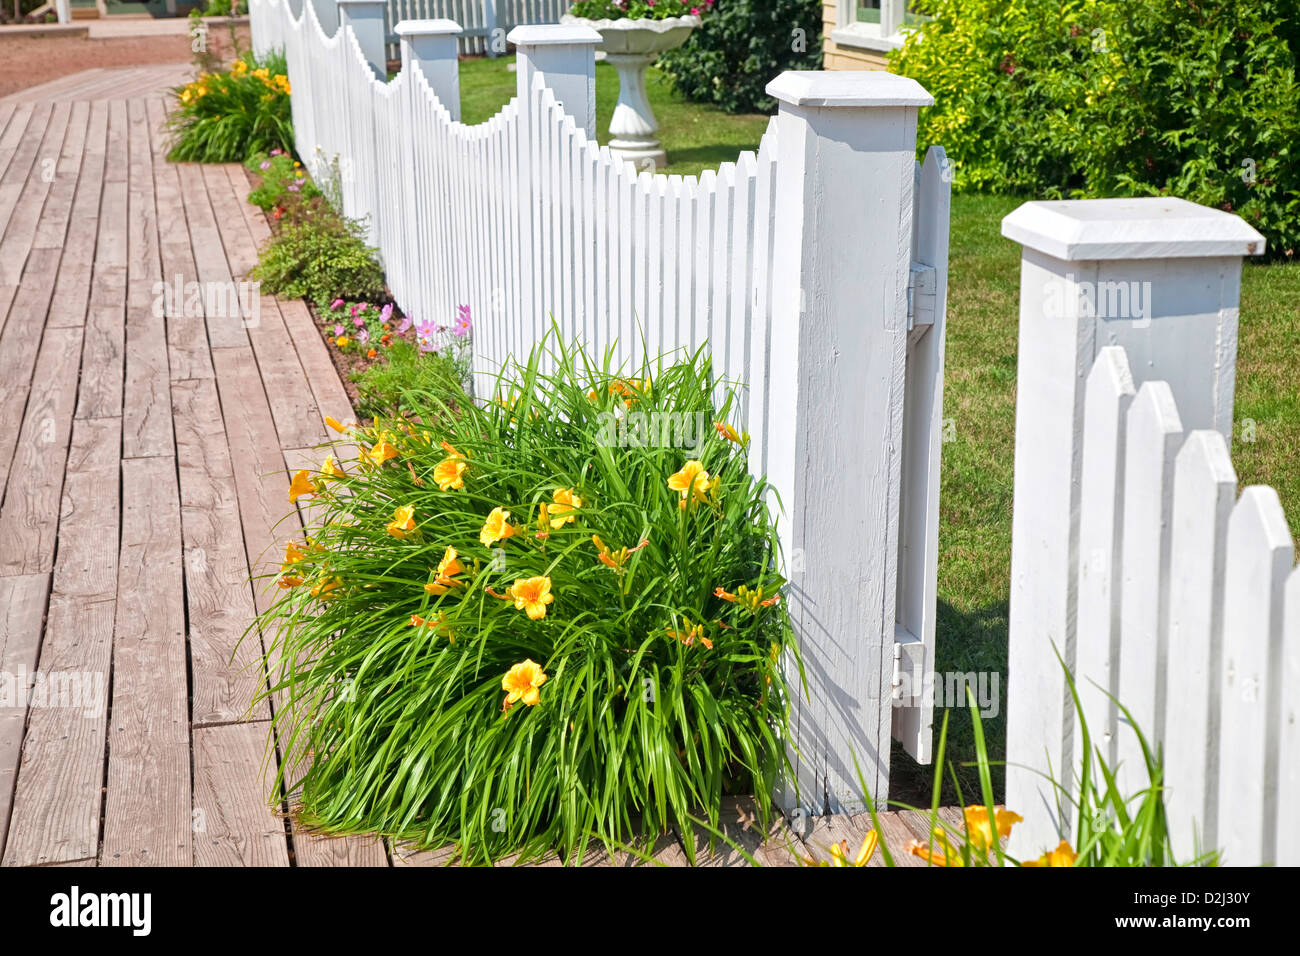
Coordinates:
(144, 456)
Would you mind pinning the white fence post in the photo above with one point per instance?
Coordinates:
(366, 18)
(1160, 277)
(432, 44)
(565, 56)
(838, 356)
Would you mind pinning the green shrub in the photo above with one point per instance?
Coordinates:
(381, 387)
(319, 255)
(283, 180)
(1071, 98)
(631, 9)
(404, 617)
(743, 45)
(228, 117)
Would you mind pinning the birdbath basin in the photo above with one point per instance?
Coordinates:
(630, 46)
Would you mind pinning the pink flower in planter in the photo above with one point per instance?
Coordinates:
(338, 329)
(277, 152)
(386, 313)
(363, 336)
(404, 324)
(264, 164)
(336, 304)
(359, 321)
(292, 187)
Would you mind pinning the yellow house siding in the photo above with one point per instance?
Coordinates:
(836, 57)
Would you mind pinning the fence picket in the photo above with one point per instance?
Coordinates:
(1260, 556)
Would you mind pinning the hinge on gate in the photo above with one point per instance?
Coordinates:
(922, 284)
(909, 664)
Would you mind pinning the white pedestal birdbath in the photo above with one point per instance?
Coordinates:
(630, 46)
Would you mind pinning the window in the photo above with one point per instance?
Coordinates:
(874, 24)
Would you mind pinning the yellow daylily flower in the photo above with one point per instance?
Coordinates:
(690, 633)
(325, 588)
(338, 426)
(565, 501)
(448, 568)
(1063, 855)
(301, 485)
(383, 450)
(403, 522)
(944, 854)
(330, 469)
(692, 479)
(730, 434)
(496, 528)
(751, 600)
(531, 595)
(522, 682)
(840, 853)
(980, 834)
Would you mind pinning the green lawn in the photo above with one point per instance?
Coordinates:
(979, 394)
(696, 137)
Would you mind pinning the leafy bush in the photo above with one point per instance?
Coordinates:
(228, 117)
(508, 631)
(633, 9)
(381, 387)
(1192, 98)
(283, 179)
(741, 46)
(319, 255)
(224, 8)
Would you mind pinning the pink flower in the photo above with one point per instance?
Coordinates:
(336, 304)
(264, 164)
(292, 187)
(338, 329)
(404, 324)
(363, 336)
(277, 152)
(463, 324)
(425, 331)
(359, 321)
(355, 306)
(386, 313)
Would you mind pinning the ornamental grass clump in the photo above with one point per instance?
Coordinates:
(226, 117)
(535, 621)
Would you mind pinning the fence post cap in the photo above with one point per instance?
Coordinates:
(1149, 227)
(552, 35)
(819, 88)
(423, 28)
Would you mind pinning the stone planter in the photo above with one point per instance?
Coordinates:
(630, 46)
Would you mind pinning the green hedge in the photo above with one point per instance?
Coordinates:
(1070, 98)
(741, 46)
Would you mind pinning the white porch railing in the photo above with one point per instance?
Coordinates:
(815, 269)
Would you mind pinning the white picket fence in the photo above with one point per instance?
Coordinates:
(814, 269)
(1133, 555)
(484, 23)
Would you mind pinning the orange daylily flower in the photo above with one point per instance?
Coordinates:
(496, 528)
(383, 450)
(980, 833)
(944, 854)
(522, 682)
(450, 472)
(752, 600)
(448, 568)
(301, 485)
(565, 501)
(325, 587)
(730, 433)
(1063, 855)
(690, 634)
(531, 595)
(692, 479)
(330, 469)
(338, 426)
(403, 522)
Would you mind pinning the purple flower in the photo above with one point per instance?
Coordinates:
(386, 313)
(277, 152)
(363, 336)
(336, 304)
(264, 164)
(338, 329)
(300, 180)
(404, 324)
(292, 187)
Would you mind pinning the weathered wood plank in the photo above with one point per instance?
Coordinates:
(29, 518)
(51, 230)
(22, 619)
(326, 387)
(147, 813)
(146, 412)
(314, 849)
(61, 776)
(233, 821)
(84, 567)
(739, 823)
(76, 267)
(225, 324)
(20, 341)
(226, 672)
(20, 224)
